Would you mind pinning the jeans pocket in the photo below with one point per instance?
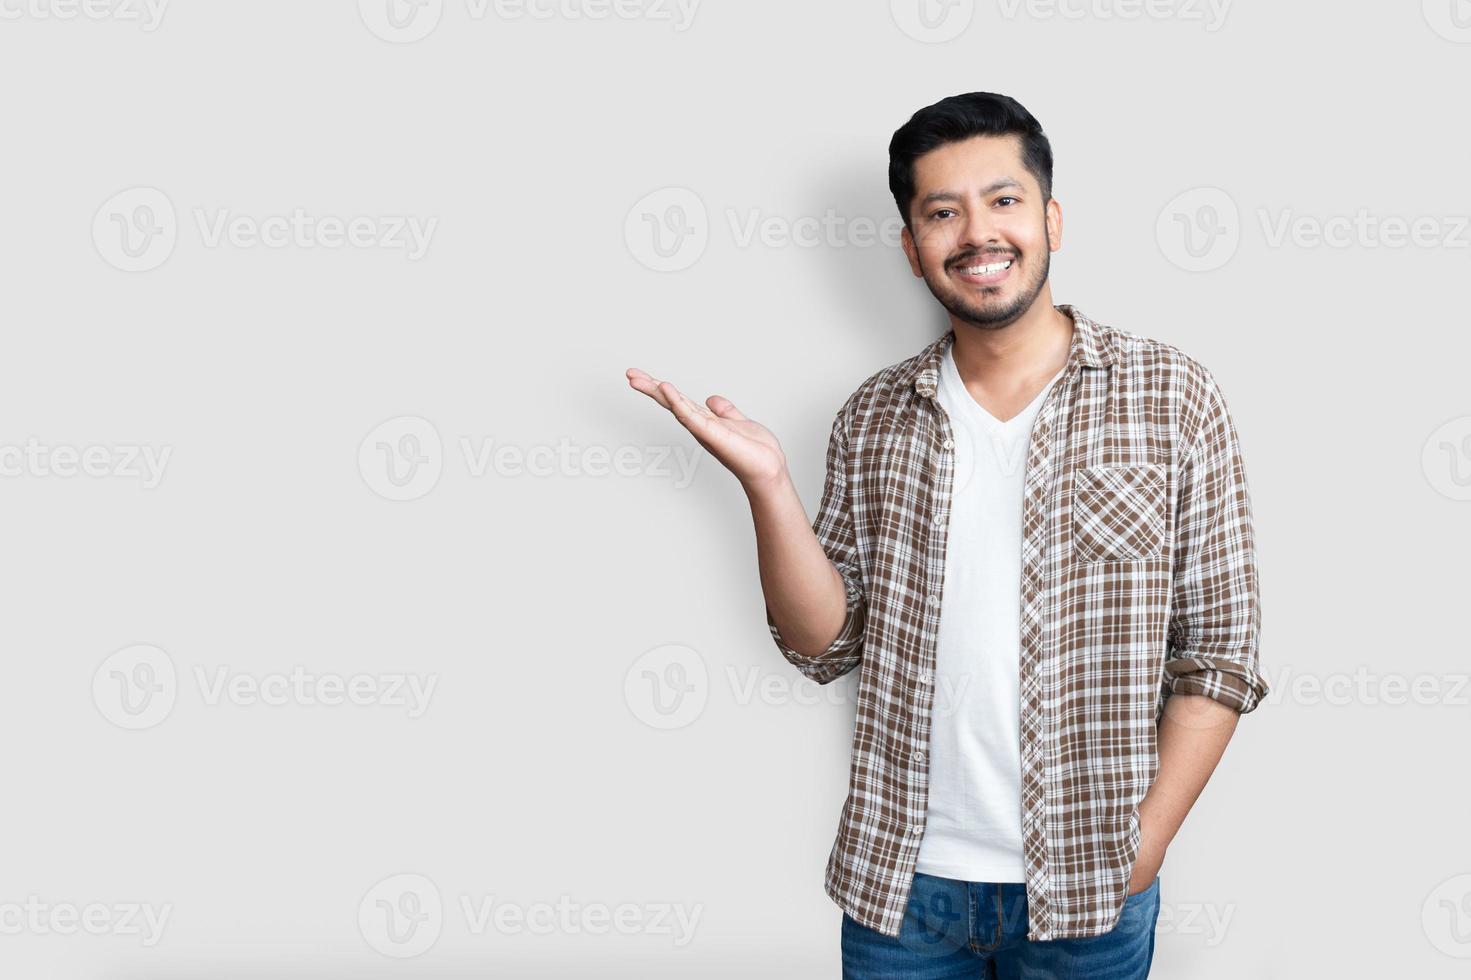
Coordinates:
(1145, 895)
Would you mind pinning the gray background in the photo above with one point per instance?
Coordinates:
(545, 768)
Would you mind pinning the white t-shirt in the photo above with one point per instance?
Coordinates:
(973, 830)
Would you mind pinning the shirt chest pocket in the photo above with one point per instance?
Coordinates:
(1119, 512)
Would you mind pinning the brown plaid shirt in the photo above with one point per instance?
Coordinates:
(1138, 581)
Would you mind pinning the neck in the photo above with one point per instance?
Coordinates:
(1035, 345)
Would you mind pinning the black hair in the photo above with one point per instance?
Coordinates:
(960, 117)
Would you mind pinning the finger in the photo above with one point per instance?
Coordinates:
(695, 417)
(642, 381)
(724, 407)
(681, 406)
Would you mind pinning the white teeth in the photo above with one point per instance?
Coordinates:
(986, 270)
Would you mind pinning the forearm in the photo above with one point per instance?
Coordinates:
(1193, 733)
(804, 593)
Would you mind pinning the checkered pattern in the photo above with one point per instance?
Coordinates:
(1138, 581)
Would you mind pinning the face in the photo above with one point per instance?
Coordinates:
(982, 237)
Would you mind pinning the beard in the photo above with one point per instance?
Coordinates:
(975, 306)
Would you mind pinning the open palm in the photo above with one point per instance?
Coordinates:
(746, 448)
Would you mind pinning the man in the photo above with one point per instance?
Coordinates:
(1035, 542)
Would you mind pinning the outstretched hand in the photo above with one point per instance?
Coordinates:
(746, 448)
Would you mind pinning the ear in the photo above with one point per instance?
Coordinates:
(1054, 225)
(911, 252)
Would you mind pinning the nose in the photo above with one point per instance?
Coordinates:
(979, 230)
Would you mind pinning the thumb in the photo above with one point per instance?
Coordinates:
(724, 407)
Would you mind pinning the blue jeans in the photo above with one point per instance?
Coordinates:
(976, 929)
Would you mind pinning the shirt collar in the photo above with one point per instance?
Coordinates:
(1090, 348)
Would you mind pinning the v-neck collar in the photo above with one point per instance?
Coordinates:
(952, 372)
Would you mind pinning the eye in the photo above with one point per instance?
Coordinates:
(942, 211)
(1003, 200)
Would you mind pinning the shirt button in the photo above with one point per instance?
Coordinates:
(913, 830)
(928, 677)
(918, 756)
(948, 444)
(939, 519)
(932, 601)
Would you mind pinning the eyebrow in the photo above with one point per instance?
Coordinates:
(934, 197)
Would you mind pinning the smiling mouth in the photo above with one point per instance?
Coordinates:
(985, 272)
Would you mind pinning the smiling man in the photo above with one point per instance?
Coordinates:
(1035, 544)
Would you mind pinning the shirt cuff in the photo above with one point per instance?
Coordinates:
(1227, 681)
(842, 654)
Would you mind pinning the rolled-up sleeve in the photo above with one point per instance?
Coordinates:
(834, 529)
(1215, 616)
